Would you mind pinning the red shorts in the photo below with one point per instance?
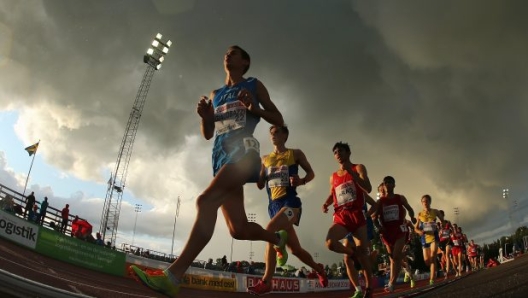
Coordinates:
(392, 234)
(456, 250)
(350, 219)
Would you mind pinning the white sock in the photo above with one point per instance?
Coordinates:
(359, 289)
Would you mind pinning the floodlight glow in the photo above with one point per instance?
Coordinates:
(158, 66)
(169, 43)
(159, 36)
(150, 51)
(155, 43)
(165, 50)
(161, 59)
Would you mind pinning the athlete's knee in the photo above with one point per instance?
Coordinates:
(239, 233)
(332, 244)
(204, 202)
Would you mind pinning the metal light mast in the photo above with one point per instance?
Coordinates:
(112, 205)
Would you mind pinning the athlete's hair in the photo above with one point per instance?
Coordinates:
(389, 179)
(341, 145)
(244, 55)
(282, 128)
(427, 197)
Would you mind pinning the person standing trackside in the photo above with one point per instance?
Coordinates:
(43, 210)
(65, 215)
(231, 117)
(30, 202)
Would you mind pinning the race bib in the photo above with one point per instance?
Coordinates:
(345, 193)
(391, 213)
(457, 242)
(445, 233)
(403, 228)
(230, 116)
(429, 226)
(251, 144)
(278, 176)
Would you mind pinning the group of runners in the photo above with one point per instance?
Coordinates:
(231, 114)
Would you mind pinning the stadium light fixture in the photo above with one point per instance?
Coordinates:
(156, 54)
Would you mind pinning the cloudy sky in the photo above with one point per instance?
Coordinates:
(432, 93)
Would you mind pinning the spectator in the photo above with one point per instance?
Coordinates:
(43, 210)
(8, 204)
(250, 269)
(30, 201)
(99, 240)
(65, 214)
(34, 214)
(209, 265)
(301, 273)
(224, 263)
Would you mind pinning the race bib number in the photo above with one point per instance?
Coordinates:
(278, 176)
(403, 228)
(445, 233)
(230, 116)
(457, 242)
(345, 193)
(251, 144)
(429, 226)
(391, 213)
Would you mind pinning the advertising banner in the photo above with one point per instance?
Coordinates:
(18, 230)
(279, 285)
(209, 283)
(80, 253)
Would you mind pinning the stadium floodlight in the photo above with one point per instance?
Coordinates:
(156, 54)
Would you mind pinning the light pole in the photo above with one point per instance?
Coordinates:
(114, 194)
(316, 255)
(231, 256)
(505, 242)
(252, 217)
(137, 209)
(174, 229)
(506, 196)
(456, 215)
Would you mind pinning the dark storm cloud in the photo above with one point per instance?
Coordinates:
(430, 92)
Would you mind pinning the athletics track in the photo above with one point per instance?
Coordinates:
(24, 272)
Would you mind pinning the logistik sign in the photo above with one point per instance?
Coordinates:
(18, 230)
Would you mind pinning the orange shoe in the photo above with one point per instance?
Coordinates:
(323, 279)
(260, 288)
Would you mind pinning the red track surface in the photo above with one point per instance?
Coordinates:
(28, 264)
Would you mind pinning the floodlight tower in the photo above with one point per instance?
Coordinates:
(112, 205)
(506, 196)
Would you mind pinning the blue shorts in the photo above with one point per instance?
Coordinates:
(276, 205)
(232, 151)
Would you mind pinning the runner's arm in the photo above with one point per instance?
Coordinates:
(300, 159)
(270, 113)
